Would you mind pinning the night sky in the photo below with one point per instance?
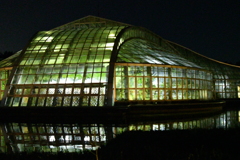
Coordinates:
(209, 27)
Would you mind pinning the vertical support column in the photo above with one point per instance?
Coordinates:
(225, 88)
(126, 83)
(148, 84)
(170, 83)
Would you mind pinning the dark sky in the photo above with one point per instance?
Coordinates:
(209, 27)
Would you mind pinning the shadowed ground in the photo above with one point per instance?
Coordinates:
(169, 145)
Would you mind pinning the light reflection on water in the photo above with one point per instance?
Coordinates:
(74, 137)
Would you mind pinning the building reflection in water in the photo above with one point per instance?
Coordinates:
(17, 137)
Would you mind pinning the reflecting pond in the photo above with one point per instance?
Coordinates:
(74, 137)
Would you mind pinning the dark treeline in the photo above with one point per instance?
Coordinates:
(5, 54)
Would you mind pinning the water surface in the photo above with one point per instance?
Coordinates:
(51, 137)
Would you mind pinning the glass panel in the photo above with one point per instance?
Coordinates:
(131, 82)
(180, 95)
(132, 94)
(154, 82)
(140, 94)
(174, 83)
(161, 94)
(168, 82)
(161, 83)
(179, 83)
(174, 94)
(147, 94)
(155, 94)
(139, 82)
(185, 95)
(121, 94)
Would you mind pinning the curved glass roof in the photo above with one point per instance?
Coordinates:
(219, 69)
(141, 51)
(90, 22)
(61, 52)
(8, 62)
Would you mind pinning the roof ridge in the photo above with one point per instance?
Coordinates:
(90, 22)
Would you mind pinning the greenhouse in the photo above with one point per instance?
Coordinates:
(98, 62)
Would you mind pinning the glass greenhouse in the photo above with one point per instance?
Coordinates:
(98, 62)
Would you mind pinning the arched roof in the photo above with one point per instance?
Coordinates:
(90, 22)
(219, 69)
(9, 62)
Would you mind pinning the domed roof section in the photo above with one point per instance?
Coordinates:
(141, 51)
(90, 22)
(8, 62)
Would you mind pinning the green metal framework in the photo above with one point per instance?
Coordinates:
(155, 83)
(226, 77)
(97, 62)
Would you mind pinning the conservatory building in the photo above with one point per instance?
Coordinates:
(98, 62)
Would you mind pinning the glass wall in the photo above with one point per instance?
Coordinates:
(226, 88)
(148, 83)
(226, 77)
(63, 68)
(6, 67)
(4, 74)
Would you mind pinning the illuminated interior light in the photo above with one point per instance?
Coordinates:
(49, 32)
(106, 60)
(109, 44)
(69, 80)
(49, 39)
(121, 41)
(88, 80)
(52, 82)
(43, 48)
(58, 46)
(111, 35)
(51, 138)
(108, 49)
(86, 138)
(62, 80)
